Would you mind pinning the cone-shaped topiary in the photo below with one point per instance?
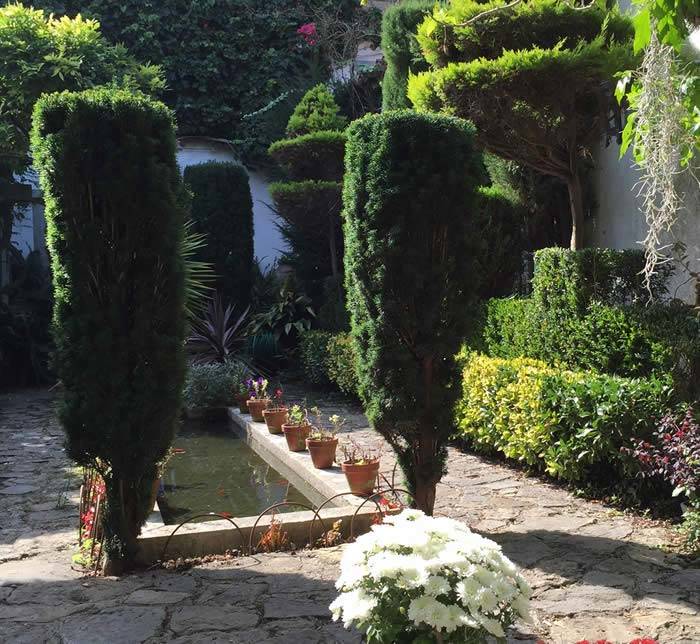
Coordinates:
(222, 209)
(317, 111)
(115, 219)
(408, 200)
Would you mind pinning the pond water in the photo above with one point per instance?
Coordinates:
(212, 470)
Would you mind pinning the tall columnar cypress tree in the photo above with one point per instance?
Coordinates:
(408, 197)
(222, 210)
(115, 224)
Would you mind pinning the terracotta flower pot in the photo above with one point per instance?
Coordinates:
(361, 477)
(275, 418)
(256, 406)
(322, 452)
(296, 436)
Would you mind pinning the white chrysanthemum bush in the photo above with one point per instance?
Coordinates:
(416, 578)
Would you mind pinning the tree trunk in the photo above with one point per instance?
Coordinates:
(577, 213)
(125, 512)
(425, 494)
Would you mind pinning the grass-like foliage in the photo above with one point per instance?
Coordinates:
(409, 191)
(115, 220)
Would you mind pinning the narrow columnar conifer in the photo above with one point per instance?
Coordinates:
(408, 203)
(115, 221)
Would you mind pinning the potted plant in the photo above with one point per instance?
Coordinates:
(361, 466)
(296, 429)
(322, 441)
(276, 414)
(257, 398)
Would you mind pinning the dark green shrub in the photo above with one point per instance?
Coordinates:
(634, 341)
(408, 199)
(341, 363)
(213, 384)
(501, 224)
(317, 111)
(115, 224)
(567, 281)
(569, 424)
(314, 357)
(222, 210)
(400, 48)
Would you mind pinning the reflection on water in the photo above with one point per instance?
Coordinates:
(214, 471)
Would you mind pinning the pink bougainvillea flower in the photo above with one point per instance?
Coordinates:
(308, 33)
(644, 640)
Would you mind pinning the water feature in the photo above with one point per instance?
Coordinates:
(212, 470)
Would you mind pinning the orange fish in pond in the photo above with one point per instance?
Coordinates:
(220, 491)
(226, 515)
(178, 450)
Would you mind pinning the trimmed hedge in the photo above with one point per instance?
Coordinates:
(569, 424)
(213, 384)
(317, 155)
(329, 359)
(569, 281)
(400, 49)
(115, 224)
(222, 209)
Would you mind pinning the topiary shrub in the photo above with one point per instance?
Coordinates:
(400, 49)
(408, 199)
(569, 424)
(222, 210)
(317, 111)
(531, 77)
(309, 203)
(113, 192)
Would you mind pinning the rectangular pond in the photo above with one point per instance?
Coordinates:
(213, 470)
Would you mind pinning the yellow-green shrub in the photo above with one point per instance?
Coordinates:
(570, 424)
(501, 407)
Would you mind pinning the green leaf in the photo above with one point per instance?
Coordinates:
(642, 30)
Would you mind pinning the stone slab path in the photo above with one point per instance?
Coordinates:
(595, 573)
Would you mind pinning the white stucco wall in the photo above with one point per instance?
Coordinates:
(268, 242)
(619, 222)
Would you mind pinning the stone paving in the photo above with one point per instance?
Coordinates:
(595, 573)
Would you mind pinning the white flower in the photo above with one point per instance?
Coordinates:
(436, 585)
(416, 559)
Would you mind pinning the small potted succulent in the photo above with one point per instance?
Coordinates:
(241, 397)
(361, 466)
(257, 398)
(322, 442)
(276, 414)
(297, 428)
